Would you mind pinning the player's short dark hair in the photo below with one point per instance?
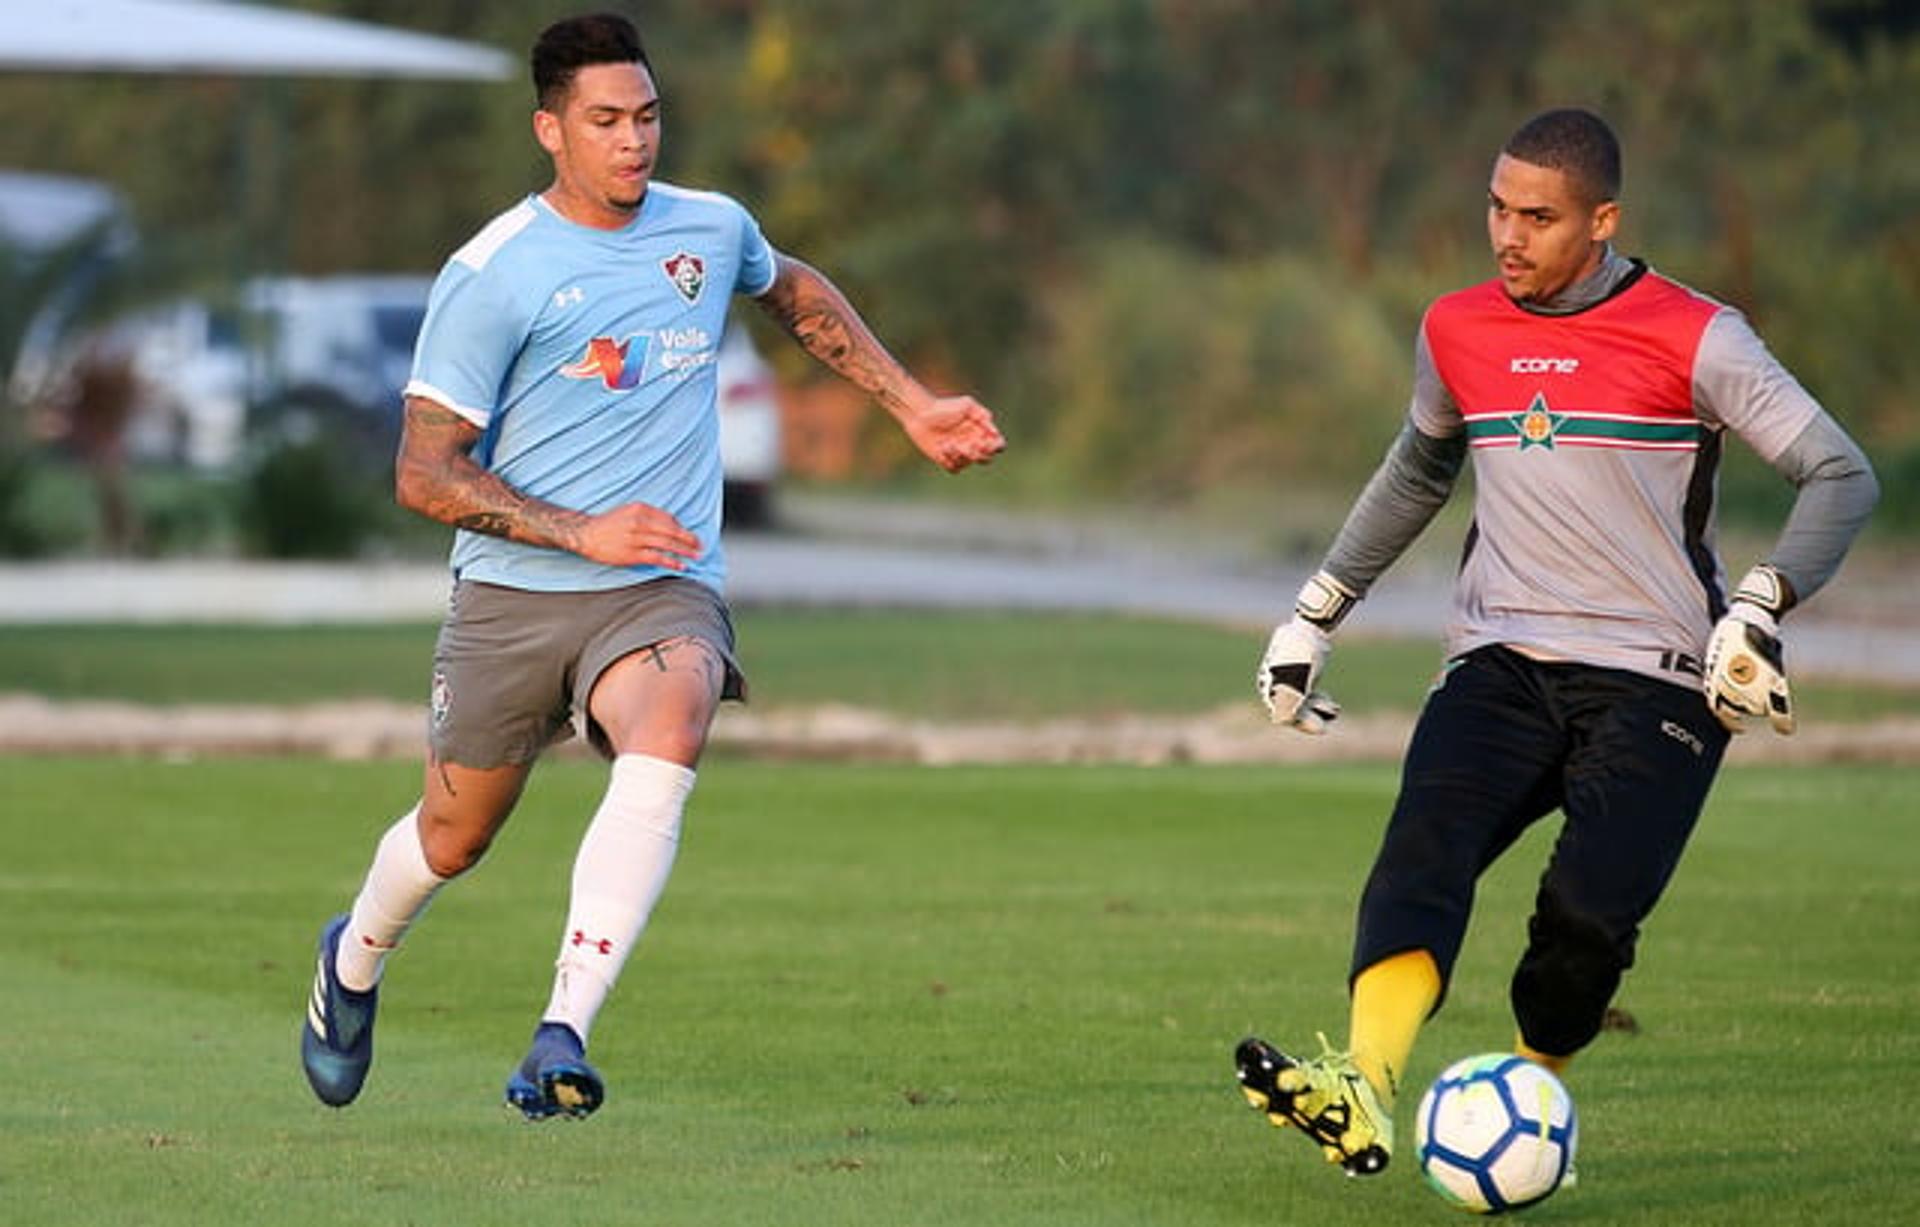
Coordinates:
(1576, 143)
(567, 46)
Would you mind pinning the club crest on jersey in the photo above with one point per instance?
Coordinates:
(613, 363)
(687, 272)
(1539, 424)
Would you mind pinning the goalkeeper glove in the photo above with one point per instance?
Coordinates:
(1745, 673)
(1290, 671)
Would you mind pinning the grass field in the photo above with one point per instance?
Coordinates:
(952, 665)
(895, 996)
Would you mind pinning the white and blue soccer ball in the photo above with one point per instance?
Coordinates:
(1495, 1133)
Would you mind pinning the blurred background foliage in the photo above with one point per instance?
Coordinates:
(1180, 246)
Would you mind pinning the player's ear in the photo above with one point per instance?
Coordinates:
(546, 130)
(1606, 220)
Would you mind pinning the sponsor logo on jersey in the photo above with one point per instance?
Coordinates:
(572, 296)
(685, 350)
(687, 272)
(1543, 366)
(1538, 425)
(611, 362)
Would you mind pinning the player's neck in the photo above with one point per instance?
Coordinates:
(583, 211)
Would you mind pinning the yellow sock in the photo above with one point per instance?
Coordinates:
(1556, 1065)
(1391, 1002)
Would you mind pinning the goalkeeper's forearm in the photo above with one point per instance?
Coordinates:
(1837, 493)
(1399, 501)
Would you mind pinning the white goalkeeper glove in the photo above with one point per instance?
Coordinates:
(1289, 674)
(1745, 673)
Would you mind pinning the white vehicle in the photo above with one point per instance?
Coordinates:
(192, 371)
(346, 337)
(296, 357)
(749, 430)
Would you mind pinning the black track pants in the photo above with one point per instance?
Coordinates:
(1504, 741)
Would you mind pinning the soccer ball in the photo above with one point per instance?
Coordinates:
(1495, 1133)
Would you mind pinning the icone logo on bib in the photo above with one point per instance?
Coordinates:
(1543, 366)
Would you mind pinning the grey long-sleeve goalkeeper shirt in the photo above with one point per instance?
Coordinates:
(1596, 423)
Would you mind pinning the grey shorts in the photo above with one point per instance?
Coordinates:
(512, 667)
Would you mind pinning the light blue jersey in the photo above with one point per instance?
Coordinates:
(587, 356)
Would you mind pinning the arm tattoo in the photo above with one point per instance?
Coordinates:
(436, 477)
(492, 523)
(825, 324)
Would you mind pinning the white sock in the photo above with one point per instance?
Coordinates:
(398, 888)
(618, 875)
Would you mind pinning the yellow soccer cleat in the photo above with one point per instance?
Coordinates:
(1327, 1098)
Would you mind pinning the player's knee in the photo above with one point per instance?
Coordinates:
(1566, 979)
(453, 846)
(679, 742)
(675, 732)
(451, 856)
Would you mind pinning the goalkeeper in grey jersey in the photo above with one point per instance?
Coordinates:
(1596, 661)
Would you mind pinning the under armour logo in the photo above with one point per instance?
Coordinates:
(572, 296)
(601, 944)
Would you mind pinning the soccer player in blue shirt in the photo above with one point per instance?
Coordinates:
(561, 416)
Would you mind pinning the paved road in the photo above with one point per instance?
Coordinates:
(811, 569)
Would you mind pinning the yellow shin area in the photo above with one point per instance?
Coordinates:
(1392, 999)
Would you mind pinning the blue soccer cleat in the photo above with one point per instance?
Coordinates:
(336, 1044)
(555, 1079)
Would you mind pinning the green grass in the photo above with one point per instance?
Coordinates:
(938, 665)
(896, 996)
(958, 665)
